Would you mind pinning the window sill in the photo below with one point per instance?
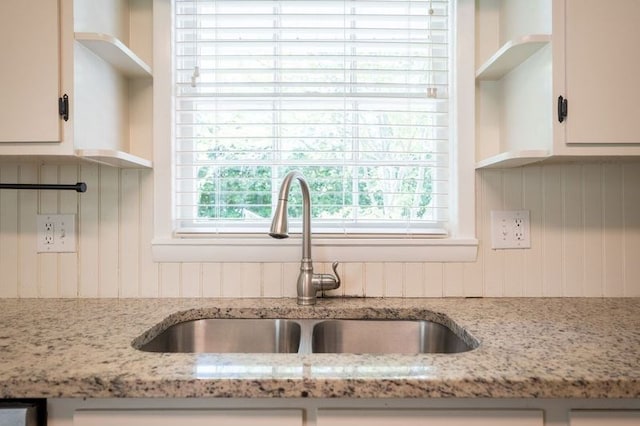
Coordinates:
(265, 249)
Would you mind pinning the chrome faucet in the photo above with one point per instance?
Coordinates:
(308, 282)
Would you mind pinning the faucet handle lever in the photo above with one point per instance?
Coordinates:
(334, 266)
(322, 282)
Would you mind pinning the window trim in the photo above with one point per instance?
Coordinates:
(461, 245)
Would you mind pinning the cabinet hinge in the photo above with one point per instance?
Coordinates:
(562, 109)
(63, 107)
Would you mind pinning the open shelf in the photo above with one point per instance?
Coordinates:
(116, 53)
(513, 159)
(510, 55)
(114, 158)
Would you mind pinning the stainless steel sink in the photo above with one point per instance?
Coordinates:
(355, 336)
(385, 337)
(228, 336)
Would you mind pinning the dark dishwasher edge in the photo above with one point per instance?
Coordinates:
(39, 403)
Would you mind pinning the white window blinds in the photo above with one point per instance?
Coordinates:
(353, 93)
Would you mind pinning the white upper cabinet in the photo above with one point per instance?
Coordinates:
(30, 71)
(96, 52)
(537, 61)
(603, 71)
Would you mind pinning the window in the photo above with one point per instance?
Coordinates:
(356, 94)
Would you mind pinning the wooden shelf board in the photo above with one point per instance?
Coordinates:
(511, 159)
(510, 55)
(116, 53)
(114, 158)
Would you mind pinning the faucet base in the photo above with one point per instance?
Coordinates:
(306, 301)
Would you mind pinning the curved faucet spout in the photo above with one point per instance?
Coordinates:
(279, 223)
(308, 282)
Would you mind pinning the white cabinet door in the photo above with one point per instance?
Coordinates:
(30, 71)
(187, 417)
(602, 71)
(430, 418)
(605, 417)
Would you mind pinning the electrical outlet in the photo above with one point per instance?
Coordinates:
(510, 229)
(56, 233)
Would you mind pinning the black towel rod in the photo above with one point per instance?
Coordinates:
(78, 187)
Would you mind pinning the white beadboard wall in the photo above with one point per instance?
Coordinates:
(585, 234)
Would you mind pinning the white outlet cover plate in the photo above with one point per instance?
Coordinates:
(510, 229)
(56, 233)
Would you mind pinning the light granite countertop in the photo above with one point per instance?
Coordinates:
(529, 348)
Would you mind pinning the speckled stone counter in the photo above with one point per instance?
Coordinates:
(529, 348)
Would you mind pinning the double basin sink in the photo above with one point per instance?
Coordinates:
(308, 336)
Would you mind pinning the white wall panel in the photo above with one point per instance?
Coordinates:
(271, 280)
(573, 244)
(129, 254)
(88, 232)
(593, 230)
(474, 272)
(231, 285)
(353, 278)
(109, 232)
(191, 280)
(68, 262)
(48, 262)
(533, 196)
(27, 257)
(413, 280)
(148, 270)
(241, 280)
(434, 279)
(613, 280)
(585, 232)
(514, 260)
(290, 273)
(631, 211)
(211, 279)
(251, 279)
(393, 279)
(374, 279)
(170, 280)
(453, 280)
(472, 283)
(491, 185)
(9, 259)
(552, 241)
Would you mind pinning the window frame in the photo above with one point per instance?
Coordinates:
(460, 245)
